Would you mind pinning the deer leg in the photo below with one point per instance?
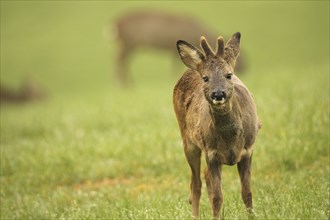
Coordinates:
(122, 64)
(214, 175)
(193, 155)
(244, 170)
(208, 184)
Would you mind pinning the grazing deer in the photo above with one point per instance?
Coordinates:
(154, 29)
(217, 115)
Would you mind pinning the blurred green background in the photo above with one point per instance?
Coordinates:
(95, 150)
(62, 44)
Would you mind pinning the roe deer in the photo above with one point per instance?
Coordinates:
(154, 29)
(217, 115)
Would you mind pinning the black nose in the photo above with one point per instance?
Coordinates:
(217, 96)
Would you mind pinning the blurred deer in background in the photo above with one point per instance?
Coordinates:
(155, 29)
(216, 115)
(29, 91)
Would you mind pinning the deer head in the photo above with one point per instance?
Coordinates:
(216, 69)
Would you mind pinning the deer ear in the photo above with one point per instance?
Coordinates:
(232, 49)
(190, 55)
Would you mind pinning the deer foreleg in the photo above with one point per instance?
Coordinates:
(214, 176)
(193, 155)
(122, 64)
(244, 169)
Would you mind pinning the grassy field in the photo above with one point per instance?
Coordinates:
(94, 150)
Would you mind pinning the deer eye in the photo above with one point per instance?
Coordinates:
(229, 75)
(205, 78)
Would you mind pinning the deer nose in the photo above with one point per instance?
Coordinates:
(218, 96)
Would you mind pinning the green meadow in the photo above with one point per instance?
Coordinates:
(95, 150)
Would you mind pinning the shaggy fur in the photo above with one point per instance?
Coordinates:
(216, 115)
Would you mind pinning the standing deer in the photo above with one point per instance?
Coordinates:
(217, 115)
(154, 29)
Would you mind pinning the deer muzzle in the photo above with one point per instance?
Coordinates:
(219, 97)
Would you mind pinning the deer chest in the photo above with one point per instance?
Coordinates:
(225, 143)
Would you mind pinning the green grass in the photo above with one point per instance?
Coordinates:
(93, 150)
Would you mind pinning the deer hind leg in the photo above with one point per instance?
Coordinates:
(244, 170)
(193, 155)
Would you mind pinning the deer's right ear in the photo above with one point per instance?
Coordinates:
(190, 55)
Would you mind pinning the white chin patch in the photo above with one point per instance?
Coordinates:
(219, 102)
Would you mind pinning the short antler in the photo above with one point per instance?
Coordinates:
(220, 47)
(206, 47)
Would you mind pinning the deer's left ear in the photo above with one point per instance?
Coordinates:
(232, 49)
(190, 55)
